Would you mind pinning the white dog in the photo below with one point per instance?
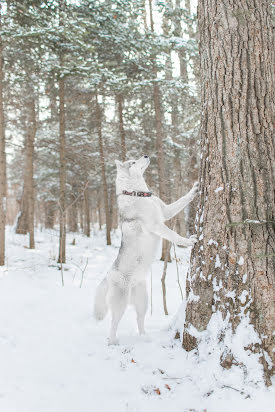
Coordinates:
(142, 217)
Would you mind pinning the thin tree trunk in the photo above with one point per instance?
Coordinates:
(30, 153)
(49, 208)
(72, 214)
(159, 137)
(99, 210)
(231, 279)
(121, 127)
(62, 173)
(3, 188)
(87, 212)
(25, 221)
(103, 173)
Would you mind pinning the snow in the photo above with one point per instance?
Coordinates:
(212, 242)
(218, 189)
(217, 262)
(242, 297)
(54, 356)
(241, 261)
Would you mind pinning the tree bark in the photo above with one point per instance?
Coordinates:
(87, 213)
(3, 188)
(121, 127)
(103, 173)
(72, 213)
(25, 221)
(159, 137)
(62, 173)
(49, 208)
(232, 266)
(29, 166)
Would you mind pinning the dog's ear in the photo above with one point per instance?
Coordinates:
(118, 164)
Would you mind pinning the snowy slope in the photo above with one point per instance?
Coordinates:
(54, 357)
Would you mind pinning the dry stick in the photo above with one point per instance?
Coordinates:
(178, 276)
(163, 279)
(165, 270)
(83, 271)
(151, 292)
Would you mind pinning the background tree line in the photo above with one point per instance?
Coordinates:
(81, 84)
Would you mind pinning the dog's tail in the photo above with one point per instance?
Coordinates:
(100, 306)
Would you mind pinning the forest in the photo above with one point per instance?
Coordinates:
(189, 83)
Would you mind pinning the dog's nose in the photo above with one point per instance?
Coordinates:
(146, 157)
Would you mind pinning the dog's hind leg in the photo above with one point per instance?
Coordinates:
(118, 299)
(139, 298)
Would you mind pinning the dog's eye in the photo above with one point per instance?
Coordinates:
(133, 163)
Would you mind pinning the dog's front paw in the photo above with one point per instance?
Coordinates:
(195, 188)
(193, 239)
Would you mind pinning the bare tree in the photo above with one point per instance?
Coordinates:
(2, 157)
(232, 265)
(62, 151)
(121, 126)
(159, 139)
(103, 172)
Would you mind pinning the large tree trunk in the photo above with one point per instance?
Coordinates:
(62, 173)
(2, 160)
(103, 173)
(232, 266)
(121, 127)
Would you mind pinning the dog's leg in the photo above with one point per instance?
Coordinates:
(139, 298)
(168, 234)
(118, 299)
(172, 210)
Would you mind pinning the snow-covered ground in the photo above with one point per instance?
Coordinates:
(54, 356)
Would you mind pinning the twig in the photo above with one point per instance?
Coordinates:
(83, 271)
(151, 292)
(163, 278)
(178, 276)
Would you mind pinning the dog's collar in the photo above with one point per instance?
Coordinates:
(138, 194)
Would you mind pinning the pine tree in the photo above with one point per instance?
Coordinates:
(231, 279)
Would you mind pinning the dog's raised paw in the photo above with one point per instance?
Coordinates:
(193, 239)
(195, 187)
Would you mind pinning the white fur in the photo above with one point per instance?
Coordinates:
(142, 224)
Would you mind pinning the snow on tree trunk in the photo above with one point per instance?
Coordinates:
(230, 284)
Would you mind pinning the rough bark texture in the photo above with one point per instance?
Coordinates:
(235, 222)
(103, 173)
(2, 162)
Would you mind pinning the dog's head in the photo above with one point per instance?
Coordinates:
(132, 169)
